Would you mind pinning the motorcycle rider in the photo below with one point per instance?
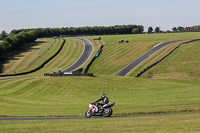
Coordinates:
(105, 100)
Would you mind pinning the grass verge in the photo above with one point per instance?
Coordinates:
(116, 55)
(182, 64)
(151, 124)
(70, 96)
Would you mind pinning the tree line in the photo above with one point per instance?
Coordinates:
(96, 30)
(157, 30)
(186, 29)
(16, 39)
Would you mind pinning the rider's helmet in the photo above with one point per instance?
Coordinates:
(103, 96)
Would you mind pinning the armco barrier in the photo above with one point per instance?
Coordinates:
(92, 60)
(150, 66)
(76, 74)
(73, 73)
(39, 67)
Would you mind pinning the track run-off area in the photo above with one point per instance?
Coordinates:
(68, 118)
(124, 71)
(88, 48)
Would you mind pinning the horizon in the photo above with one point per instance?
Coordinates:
(23, 14)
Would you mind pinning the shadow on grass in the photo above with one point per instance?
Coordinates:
(15, 55)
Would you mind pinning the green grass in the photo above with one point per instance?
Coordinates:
(182, 64)
(143, 124)
(152, 59)
(115, 56)
(71, 51)
(31, 58)
(95, 46)
(39, 56)
(70, 96)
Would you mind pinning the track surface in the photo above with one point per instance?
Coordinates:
(18, 77)
(68, 118)
(86, 54)
(124, 71)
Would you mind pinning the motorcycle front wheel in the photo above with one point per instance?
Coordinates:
(107, 112)
(88, 114)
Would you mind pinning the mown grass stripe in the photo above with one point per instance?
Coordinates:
(32, 60)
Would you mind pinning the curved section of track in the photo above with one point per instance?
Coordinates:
(124, 71)
(86, 54)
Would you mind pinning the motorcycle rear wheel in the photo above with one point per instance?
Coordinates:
(88, 114)
(107, 112)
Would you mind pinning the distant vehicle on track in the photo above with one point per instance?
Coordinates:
(99, 38)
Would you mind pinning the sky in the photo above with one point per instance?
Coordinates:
(18, 14)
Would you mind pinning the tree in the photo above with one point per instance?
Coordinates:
(168, 31)
(157, 29)
(174, 29)
(141, 28)
(135, 31)
(4, 46)
(3, 35)
(180, 28)
(150, 30)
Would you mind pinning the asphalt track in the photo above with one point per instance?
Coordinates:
(68, 118)
(86, 54)
(124, 71)
(19, 77)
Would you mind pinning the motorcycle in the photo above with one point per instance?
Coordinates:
(98, 110)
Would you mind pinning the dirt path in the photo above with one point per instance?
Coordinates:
(11, 69)
(17, 63)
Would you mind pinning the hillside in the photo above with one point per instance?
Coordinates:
(133, 96)
(114, 56)
(167, 91)
(70, 96)
(117, 55)
(182, 64)
(40, 52)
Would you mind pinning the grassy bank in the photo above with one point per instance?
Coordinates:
(32, 56)
(144, 124)
(70, 96)
(182, 64)
(116, 55)
(44, 49)
(152, 59)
